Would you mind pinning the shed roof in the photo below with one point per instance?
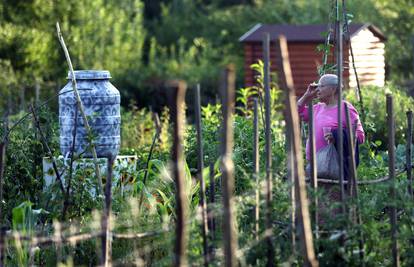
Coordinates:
(301, 33)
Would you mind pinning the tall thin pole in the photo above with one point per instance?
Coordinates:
(351, 51)
(339, 68)
(227, 166)
(353, 178)
(409, 152)
(81, 108)
(106, 219)
(177, 98)
(391, 174)
(304, 224)
(200, 166)
(212, 201)
(313, 168)
(154, 140)
(3, 146)
(291, 175)
(268, 150)
(2, 232)
(256, 168)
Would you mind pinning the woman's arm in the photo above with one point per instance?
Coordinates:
(310, 94)
(305, 99)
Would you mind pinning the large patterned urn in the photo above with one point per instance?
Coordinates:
(101, 102)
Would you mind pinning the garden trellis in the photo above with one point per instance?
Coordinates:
(233, 253)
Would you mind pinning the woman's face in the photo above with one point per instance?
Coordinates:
(325, 91)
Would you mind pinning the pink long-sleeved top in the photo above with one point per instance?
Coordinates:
(328, 117)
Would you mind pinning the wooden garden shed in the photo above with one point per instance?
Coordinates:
(367, 44)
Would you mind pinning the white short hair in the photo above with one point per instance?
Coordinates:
(329, 79)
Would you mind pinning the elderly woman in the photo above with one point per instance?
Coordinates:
(326, 112)
(326, 129)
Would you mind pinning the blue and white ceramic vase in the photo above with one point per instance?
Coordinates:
(101, 102)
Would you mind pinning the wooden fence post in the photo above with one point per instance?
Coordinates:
(3, 147)
(409, 153)
(106, 218)
(200, 166)
(256, 168)
(227, 166)
(391, 174)
(340, 146)
(211, 221)
(353, 178)
(291, 175)
(313, 168)
(2, 245)
(304, 224)
(268, 151)
(177, 98)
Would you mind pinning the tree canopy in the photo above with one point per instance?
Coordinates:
(142, 43)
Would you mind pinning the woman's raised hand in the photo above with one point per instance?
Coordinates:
(311, 91)
(310, 94)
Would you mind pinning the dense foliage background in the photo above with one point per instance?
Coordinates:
(142, 43)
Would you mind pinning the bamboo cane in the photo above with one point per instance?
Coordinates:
(211, 220)
(409, 153)
(106, 219)
(256, 168)
(227, 166)
(81, 108)
(313, 169)
(353, 178)
(268, 150)
(304, 224)
(177, 98)
(340, 148)
(200, 165)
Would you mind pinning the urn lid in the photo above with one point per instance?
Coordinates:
(90, 75)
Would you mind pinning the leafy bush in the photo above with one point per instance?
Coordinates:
(375, 123)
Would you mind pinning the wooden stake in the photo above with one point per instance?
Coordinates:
(409, 153)
(81, 109)
(340, 144)
(256, 168)
(227, 167)
(353, 178)
(211, 221)
(313, 168)
(2, 231)
(304, 224)
(3, 155)
(391, 174)
(2, 245)
(200, 166)
(291, 175)
(268, 151)
(177, 98)
(106, 218)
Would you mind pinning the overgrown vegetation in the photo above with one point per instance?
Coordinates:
(25, 194)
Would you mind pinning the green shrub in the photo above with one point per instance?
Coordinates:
(375, 125)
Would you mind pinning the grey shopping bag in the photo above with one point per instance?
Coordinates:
(327, 161)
